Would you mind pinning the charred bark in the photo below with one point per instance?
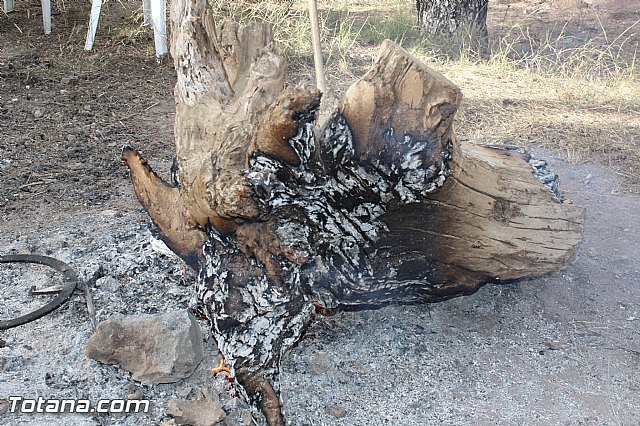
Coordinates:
(448, 17)
(382, 206)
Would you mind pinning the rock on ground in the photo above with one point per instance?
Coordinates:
(201, 412)
(154, 348)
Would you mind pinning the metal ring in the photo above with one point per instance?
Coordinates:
(70, 276)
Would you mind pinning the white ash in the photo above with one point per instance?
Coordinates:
(550, 180)
(47, 357)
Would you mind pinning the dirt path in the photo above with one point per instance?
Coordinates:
(563, 349)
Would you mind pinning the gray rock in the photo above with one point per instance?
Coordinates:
(184, 392)
(555, 345)
(235, 404)
(239, 418)
(154, 348)
(14, 363)
(320, 363)
(4, 406)
(201, 412)
(336, 411)
(238, 413)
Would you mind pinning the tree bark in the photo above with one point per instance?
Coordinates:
(380, 205)
(448, 17)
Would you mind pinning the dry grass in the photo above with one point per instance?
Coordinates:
(581, 100)
(576, 95)
(553, 85)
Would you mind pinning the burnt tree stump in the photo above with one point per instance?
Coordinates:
(380, 205)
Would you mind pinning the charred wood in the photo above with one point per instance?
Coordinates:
(383, 205)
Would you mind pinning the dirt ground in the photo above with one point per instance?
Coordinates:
(562, 349)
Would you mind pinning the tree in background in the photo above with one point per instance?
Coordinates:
(448, 17)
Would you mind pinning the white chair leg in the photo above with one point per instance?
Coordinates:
(159, 17)
(93, 24)
(146, 10)
(46, 15)
(8, 6)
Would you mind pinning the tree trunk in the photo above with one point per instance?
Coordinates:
(448, 17)
(380, 205)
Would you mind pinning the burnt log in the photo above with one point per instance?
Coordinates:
(380, 204)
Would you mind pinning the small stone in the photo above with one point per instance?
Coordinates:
(235, 404)
(130, 387)
(154, 348)
(107, 283)
(320, 363)
(239, 418)
(555, 345)
(342, 378)
(13, 363)
(184, 392)
(336, 411)
(65, 80)
(136, 395)
(37, 113)
(133, 391)
(200, 412)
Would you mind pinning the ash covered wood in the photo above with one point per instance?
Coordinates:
(382, 205)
